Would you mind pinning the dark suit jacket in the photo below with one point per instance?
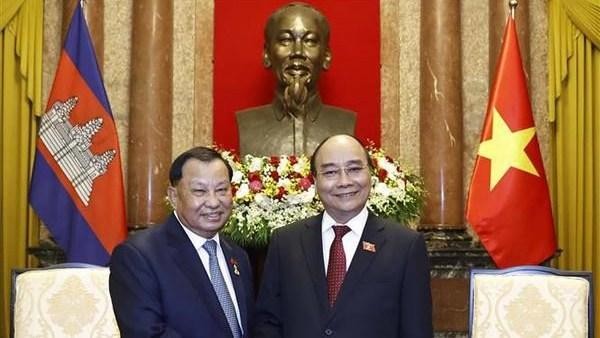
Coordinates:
(159, 287)
(385, 294)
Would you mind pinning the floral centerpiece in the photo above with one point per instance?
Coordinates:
(270, 192)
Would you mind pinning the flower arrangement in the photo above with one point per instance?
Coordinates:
(270, 192)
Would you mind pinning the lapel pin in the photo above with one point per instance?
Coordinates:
(236, 270)
(368, 246)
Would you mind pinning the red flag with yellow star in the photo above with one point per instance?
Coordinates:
(508, 204)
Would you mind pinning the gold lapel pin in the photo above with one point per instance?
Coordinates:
(368, 246)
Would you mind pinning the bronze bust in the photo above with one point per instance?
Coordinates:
(297, 50)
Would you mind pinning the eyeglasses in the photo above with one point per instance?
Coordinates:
(334, 173)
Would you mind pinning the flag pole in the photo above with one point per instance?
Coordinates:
(513, 5)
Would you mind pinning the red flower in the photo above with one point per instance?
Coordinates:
(275, 175)
(280, 193)
(305, 183)
(255, 186)
(254, 176)
(382, 174)
(274, 160)
(293, 159)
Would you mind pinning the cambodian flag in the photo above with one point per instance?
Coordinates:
(77, 182)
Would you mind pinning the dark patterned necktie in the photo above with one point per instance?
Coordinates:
(218, 282)
(336, 268)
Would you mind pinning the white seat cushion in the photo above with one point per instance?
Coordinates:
(530, 306)
(65, 302)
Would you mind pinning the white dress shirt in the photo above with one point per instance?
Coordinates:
(349, 241)
(198, 242)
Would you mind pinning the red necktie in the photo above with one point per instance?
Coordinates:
(336, 268)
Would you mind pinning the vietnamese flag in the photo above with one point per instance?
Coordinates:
(508, 204)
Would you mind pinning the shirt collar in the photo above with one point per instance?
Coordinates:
(356, 223)
(197, 240)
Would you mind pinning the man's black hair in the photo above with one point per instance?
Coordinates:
(203, 154)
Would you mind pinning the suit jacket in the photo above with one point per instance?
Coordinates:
(385, 294)
(159, 287)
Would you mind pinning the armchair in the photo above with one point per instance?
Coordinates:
(65, 300)
(530, 301)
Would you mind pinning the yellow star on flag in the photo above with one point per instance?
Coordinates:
(506, 149)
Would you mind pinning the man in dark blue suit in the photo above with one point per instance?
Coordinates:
(181, 278)
(344, 273)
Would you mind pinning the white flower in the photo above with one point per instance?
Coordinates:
(388, 166)
(284, 182)
(237, 177)
(255, 164)
(304, 197)
(283, 166)
(307, 196)
(399, 193)
(401, 184)
(293, 199)
(382, 189)
(302, 165)
(242, 191)
(262, 200)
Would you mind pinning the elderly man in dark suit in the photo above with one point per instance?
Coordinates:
(181, 279)
(344, 273)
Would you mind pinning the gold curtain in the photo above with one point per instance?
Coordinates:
(574, 107)
(20, 101)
